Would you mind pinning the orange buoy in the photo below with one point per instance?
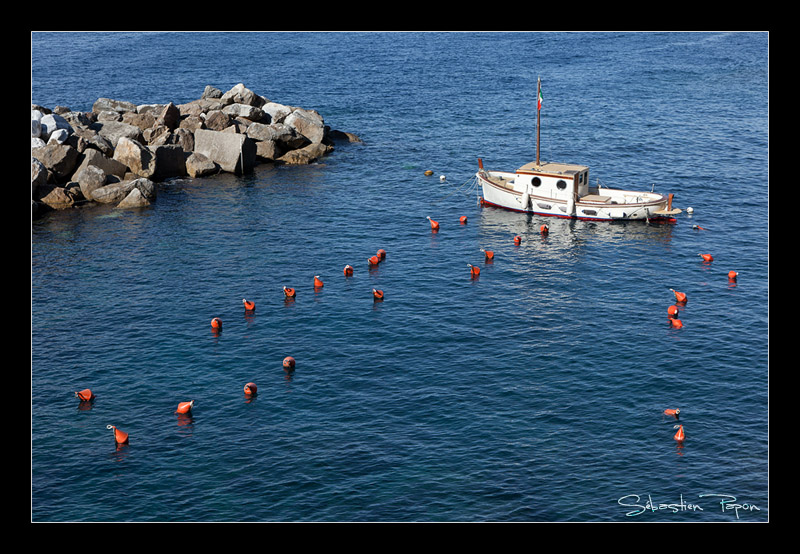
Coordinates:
(373, 260)
(474, 270)
(463, 220)
(185, 407)
(120, 437)
(377, 294)
(518, 240)
(249, 306)
(544, 229)
(680, 435)
(216, 324)
(680, 297)
(674, 413)
(381, 254)
(489, 254)
(732, 275)
(348, 271)
(672, 311)
(698, 227)
(675, 322)
(85, 395)
(250, 389)
(707, 257)
(288, 362)
(317, 282)
(289, 292)
(434, 224)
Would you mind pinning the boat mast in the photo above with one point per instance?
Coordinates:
(538, 112)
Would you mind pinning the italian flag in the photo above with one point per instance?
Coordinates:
(539, 107)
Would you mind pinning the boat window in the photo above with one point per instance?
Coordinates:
(561, 184)
(536, 181)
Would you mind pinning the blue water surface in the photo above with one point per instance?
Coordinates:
(532, 393)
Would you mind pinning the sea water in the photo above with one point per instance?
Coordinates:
(532, 393)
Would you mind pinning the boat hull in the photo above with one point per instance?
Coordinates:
(499, 190)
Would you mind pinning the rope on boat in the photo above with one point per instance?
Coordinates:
(466, 188)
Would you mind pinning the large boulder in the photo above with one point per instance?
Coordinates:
(97, 159)
(217, 120)
(240, 94)
(113, 193)
(135, 199)
(143, 120)
(59, 136)
(89, 179)
(51, 123)
(36, 124)
(307, 123)
(112, 131)
(234, 153)
(59, 159)
(170, 116)
(211, 92)
(109, 105)
(244, 110)
(58, 197)
(136, 156)
(38, 175)
(199, 165)
(276, 112)
(268, 150)
(306, 155)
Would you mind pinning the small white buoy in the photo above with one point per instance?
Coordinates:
(442, 177)
(689, 210)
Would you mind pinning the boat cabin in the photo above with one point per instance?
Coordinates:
(554, 180)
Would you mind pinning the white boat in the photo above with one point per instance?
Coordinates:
(563, 190)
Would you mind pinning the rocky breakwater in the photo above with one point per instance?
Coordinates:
(118, 152)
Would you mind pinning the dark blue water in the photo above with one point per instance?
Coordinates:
(533, 393)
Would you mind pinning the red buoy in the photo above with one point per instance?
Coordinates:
(474, 270)
(120, 437)
(672, 311)
(544, 229)
(85, 395)
(434, 224)
(249, 306)
(288, 362)
(348, 271)
(373, 260)
(381, 254)
(674, 413)
(707, 257)
(676, 323)
(377, 294)
(216, 324)
(680, 297)
(463, 220)
(185, 407)
(289, 292)
(732, 275)
(250, 389)
(518, 240)
(317, 282)
(489, 254)
(679, 436)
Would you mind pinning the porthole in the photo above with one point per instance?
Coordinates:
(561, 184)
(536, 181)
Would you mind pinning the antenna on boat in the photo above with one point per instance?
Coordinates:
(538, 112)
